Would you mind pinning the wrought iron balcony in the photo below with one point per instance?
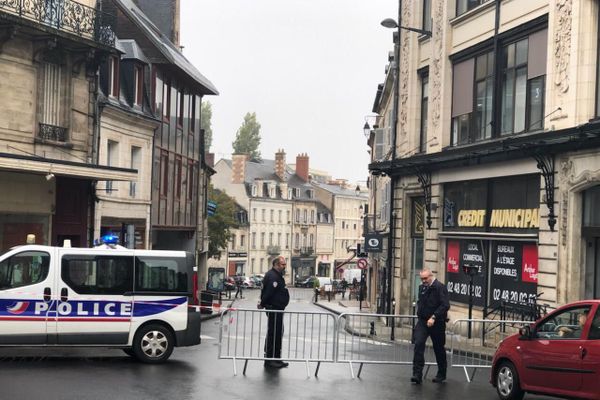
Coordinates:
(51, 132)
(306, 251)
(273, 250)
(64, 15)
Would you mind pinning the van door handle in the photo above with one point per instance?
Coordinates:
(64, 294)
(47, 294)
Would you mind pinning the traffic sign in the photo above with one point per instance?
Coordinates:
(362, 263)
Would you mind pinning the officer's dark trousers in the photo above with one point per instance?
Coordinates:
(438, 336)
(274, 335)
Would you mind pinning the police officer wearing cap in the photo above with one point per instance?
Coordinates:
(432, 313)
(274, 296)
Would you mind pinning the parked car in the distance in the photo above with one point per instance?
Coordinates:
(248, 282)
(306, 282)
(558, 355)
(257, 280)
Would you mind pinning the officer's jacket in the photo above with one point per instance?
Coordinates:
(433, 300)
(274, 294)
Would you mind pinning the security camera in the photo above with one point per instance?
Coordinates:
(49, 176)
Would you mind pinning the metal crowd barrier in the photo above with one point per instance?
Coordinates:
(307, 337)
(474, 341)
(377, 339)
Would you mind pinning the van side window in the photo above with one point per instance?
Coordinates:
(24, 269)
(159, 274)
(98, 274)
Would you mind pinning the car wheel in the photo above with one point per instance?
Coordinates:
(153, 344)
(507, 382)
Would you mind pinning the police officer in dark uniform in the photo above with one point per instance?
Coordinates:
(432, 313)
(274, 296)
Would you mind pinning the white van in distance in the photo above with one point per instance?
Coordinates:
(136, 300)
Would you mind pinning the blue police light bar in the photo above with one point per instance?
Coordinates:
(109, 239)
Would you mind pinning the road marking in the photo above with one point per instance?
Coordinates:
(207, 337)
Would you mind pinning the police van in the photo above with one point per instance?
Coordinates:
(110, 296)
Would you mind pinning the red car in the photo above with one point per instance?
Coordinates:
(558, 355)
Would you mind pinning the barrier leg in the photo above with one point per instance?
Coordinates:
(234, 367)
(360, 370)
(307, 370)
(245, 366)
(470, 378)
(351, 370)
(317, 370)
(426, 372)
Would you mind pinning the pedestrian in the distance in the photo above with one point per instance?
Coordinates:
(344, 285)
(274, 296)
(432, 313)
(239, 283)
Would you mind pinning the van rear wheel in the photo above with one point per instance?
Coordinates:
(153, 344)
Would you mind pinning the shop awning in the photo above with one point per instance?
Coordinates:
(40, 165)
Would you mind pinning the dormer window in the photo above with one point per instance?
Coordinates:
(290, 194)
(310, 193)
(138, 80)
(296, 192)
(272, 192)
(113, 76)
(254, 190)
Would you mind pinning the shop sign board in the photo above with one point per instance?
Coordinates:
(459, 253)
(514, 272)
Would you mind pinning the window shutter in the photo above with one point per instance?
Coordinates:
(379, 144)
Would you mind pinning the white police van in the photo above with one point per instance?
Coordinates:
(137, 300)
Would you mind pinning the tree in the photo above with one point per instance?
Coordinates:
(220, 224)
(247, 138)
(206, 124)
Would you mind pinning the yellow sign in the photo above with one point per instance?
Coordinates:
(516, 218)
(523, 218)
(471, 218)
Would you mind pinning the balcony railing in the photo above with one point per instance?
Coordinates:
(51, 132)
(65, 15)
(306, 251)
(273, 250)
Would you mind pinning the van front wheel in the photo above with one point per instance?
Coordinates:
(153, 344)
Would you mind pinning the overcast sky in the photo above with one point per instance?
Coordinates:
(308, 68)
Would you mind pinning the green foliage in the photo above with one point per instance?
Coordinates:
(220, 224)
(206, 124)
(247, 138)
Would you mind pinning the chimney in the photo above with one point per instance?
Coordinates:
(238, 167)
(302, 166)
(280, 164)
(209, 158)
(165, 14)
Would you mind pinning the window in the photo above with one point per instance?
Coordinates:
(287, 240)
(305, 215)
(427, 15)
(158, 89)
(191, 184)
(288, 216)
(566, 325)
(279, 239)
(523, 84)
(242, 240)
(254, 211)
(164, 173)
(113, 76)
(254, 240)
(156, 274)
(271, 239)
(193, 114)
(520, 81)
(312, 216)
(98, 274)
(112, 158)
(254, 190)
(272, 214)
(297, 246)
(272, 192)
(262, 240)
(311, 240)
(290, 194)
(233, 242)
(167, 102)
(180, 108)
(279, 215)
(252, 265)
(138, 85)
(424, 105)
(263, 213)
(297, 216)
(462, 6)
(24, 269)
(136, 163)
(178, 174)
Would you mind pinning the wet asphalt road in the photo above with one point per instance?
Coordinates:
(196, 373)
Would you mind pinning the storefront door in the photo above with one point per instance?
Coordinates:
(592, 275)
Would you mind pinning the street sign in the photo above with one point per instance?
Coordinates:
(362, 263)
(373, 243)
